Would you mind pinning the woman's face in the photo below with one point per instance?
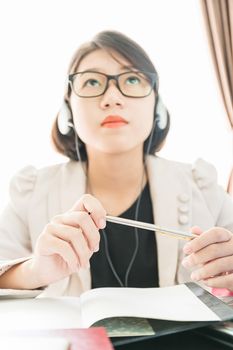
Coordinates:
(111, 123)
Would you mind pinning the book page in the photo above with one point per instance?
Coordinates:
(19, 293)
(176, 303)
(46, 313)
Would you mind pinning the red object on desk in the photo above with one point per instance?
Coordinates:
(221, 292)
(94, 338)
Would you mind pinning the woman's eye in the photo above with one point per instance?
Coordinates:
(92, 82)
(133, 80)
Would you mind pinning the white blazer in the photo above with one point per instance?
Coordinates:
(182, 195)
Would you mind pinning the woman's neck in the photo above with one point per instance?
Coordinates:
(116, 179)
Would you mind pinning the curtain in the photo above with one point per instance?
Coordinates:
(230, 183)
(218, 17)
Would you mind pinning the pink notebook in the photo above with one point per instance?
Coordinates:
(94, 338)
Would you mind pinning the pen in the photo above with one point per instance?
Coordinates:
(151, 227)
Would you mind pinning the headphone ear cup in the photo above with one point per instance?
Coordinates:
(161, 114)
(65, 120)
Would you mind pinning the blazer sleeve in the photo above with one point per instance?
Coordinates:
(15, 239)
(219, 202)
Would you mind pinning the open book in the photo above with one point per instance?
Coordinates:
(181, 303)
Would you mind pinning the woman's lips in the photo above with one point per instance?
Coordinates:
(113, 122)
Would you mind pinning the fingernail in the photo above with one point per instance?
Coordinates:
(96, 249)
(187, 249)
(186, 262)
(102, 223)
(195, 276)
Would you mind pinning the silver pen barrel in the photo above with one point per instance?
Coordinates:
(150, 227)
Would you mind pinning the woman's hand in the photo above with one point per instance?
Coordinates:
(68, 241)
(211, 255)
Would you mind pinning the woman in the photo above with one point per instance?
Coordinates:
(112, 122)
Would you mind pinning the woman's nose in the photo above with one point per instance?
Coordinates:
(112, 96)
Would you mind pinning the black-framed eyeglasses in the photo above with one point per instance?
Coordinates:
(131, 84)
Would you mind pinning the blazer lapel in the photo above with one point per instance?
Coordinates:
(68, 186)
(73, 184)
(165, 191)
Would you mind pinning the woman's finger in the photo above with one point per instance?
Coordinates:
(49, 245)
(196, 230)
(75, 238)
(213, 268)
(223, 281)
(209, 253)
(81, 219)
(92, 206)
(214, 235)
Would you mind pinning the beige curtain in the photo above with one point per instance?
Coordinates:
(218, 16)
(230, 183)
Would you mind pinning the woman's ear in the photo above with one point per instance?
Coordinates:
(161, 114)
(65, 119)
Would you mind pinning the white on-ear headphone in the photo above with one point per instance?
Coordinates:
(64, 119)
(161, 114)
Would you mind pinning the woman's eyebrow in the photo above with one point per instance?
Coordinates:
(128, 67)
(98, 70)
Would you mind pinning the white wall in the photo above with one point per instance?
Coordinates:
(38, 39)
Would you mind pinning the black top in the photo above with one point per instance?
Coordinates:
(121, 243)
